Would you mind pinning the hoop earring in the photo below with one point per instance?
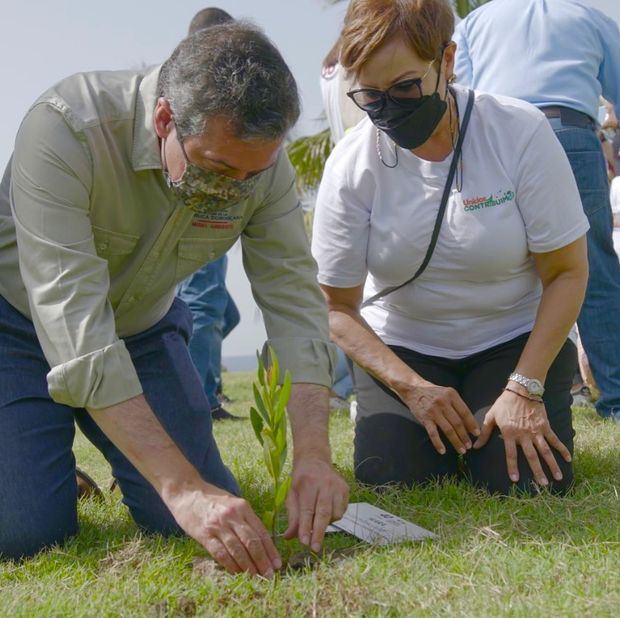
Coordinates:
(381, 156)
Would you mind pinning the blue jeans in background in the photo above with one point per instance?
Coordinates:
(343, 380)
(599, 326)
(38, 490)
(215, 315)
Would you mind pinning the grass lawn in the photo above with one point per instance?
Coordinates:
(493, 557)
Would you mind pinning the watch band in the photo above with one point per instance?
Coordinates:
(519, 379)
(527, 383)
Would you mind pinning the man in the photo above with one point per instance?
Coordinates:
(121, 185)
(214, 311)
(561, 55)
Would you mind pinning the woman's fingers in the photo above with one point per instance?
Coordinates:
(545, 452)
(558, 445)
(450, 432)
(532, 459)
(433, 434)
(464, 412)
(455, 420)
(511, 457)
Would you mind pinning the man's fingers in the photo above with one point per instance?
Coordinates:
(221, 555)
(260, 532)
(433, 434)
(558, 445)
(292, 506)
(511, 458)
(339, 505)
(237, 550)
(532, 459)
(256, 548)
(307, 503)
(465, 413)
(322, 518)
(545, 452)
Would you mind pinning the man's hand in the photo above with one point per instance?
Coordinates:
(224, 524)
(524, 423)
(318, 496)
(227, 527)
(441, 407)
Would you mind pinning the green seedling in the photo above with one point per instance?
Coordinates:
(269, 420)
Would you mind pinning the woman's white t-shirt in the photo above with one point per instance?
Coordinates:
(373, 225)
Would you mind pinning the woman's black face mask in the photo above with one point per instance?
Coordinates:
(409, 122)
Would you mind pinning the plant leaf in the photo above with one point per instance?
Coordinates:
(283, 454)
(267, 455)
(260, 404)
(257, 423)
(268, 517)
(282, 493)
(261, 369)
(274, 371)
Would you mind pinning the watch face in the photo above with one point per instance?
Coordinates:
(535, 387)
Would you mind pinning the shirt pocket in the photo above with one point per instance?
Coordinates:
(194, 253)
(115, 247)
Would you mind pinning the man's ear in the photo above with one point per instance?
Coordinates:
(163, 118)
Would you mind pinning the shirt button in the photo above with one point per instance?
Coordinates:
(211, 255)
(131, 300)
(102, 246)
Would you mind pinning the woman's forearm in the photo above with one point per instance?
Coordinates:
(351, 332)
(559, 307)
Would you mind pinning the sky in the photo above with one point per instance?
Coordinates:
(44, 41)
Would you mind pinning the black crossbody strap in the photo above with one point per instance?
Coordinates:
(442, 206)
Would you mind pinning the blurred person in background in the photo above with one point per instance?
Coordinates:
(561, 55)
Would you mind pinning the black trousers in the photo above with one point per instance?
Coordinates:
(391, 447)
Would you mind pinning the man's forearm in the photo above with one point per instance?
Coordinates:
(137, 433)
(308, 410)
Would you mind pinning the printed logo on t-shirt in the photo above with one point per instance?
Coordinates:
(488, 201)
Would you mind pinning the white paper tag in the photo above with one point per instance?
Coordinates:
(374, 525)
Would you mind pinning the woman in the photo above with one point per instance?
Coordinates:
(478, 344)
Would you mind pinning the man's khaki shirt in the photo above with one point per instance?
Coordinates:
(93, 242)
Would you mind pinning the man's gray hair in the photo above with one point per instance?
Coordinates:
(231, 70)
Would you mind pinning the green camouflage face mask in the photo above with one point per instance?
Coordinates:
(204, 190)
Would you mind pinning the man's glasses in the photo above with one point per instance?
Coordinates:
(373, 100)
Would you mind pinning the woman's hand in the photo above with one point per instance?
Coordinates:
(441, 407)
(524, 423)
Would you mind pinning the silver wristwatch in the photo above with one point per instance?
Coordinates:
(533, 386)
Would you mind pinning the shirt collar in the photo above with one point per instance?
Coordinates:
(146, 151)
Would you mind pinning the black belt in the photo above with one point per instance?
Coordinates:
(568, 116)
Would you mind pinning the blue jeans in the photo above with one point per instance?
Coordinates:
(38, 491)
(343, 380)
(215, 315)
(598, 322)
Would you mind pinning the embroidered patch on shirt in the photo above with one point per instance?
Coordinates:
(216, 220)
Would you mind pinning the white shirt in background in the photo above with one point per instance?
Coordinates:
(341, 112)
(373, 225)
